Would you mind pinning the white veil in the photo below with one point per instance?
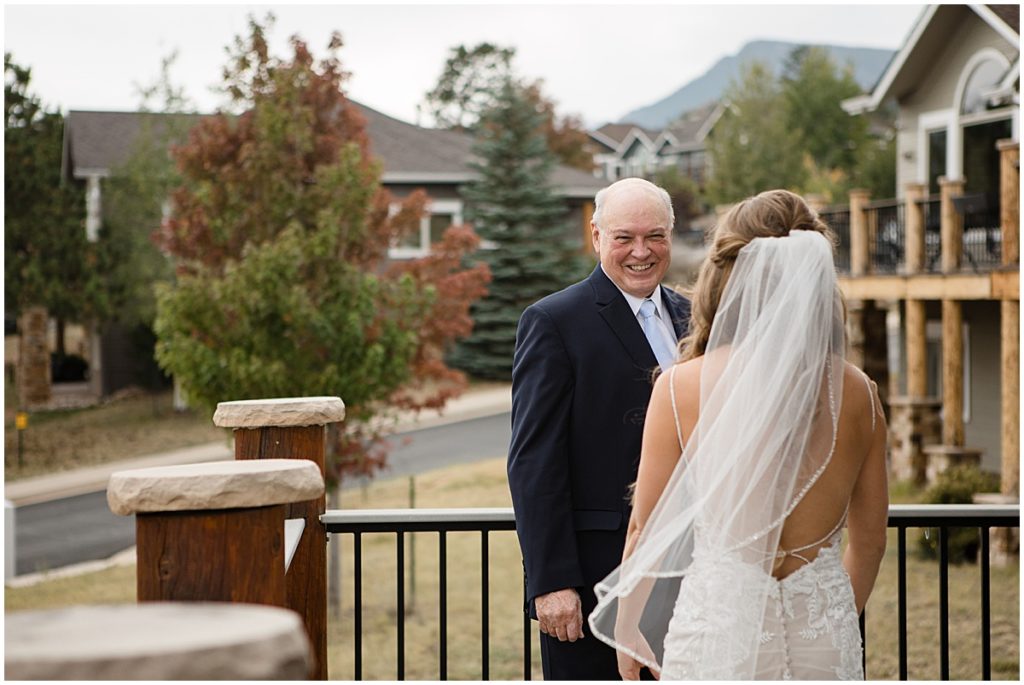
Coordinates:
(770, 390)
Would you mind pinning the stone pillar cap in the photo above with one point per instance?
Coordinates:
(281, 412)
(156, 641)
(214, 485)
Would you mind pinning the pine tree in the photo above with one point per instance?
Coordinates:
(523, 225)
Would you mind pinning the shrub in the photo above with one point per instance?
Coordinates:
(956, 486)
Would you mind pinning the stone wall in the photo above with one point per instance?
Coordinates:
(913, 424)
(33, 370)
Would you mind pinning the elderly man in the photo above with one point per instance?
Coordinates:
(581, 381)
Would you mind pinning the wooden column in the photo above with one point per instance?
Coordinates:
(859, 232)
(952, 373)
(952, 225)
(1009, 199)
(855, 352)
(914, 218)
(294, 428)
(1010, 353)
(917, 376)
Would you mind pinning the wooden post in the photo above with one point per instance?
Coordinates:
(213, 531)
(952, 373)
(859, 239)
(917, 376)
(914, 217)
(855, 352)
(1009, 199)
(952, 225)
(294, 428)
(1010, 353)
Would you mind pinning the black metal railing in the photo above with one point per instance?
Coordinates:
(931, 208)
(982, 239)
(838, 218)
(886, 232)
(442, 521)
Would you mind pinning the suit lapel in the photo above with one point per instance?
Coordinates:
(616, 312)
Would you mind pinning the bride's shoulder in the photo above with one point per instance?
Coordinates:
(684, 376)
(858, 389)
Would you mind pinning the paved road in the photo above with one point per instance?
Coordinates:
(67, 531)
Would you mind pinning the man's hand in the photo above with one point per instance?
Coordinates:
(561, 614)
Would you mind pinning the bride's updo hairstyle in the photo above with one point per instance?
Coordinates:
(773, 213)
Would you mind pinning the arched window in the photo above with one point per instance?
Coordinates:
(980, 83)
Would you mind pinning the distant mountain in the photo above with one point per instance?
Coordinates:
(868, 64)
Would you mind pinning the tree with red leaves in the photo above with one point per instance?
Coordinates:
(280, 233)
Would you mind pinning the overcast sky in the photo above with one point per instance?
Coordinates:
(597, 60)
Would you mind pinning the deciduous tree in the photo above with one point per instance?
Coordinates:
(280, 232)
(471, 84)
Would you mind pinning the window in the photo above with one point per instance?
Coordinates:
(936, 159)
(984, 79)
(441, 214)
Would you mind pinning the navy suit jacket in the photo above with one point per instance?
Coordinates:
(581, 382)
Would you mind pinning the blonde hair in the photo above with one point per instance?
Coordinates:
(773, 213)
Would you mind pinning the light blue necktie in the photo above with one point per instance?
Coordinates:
(654, 336)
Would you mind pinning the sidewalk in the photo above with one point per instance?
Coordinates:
(474, 403)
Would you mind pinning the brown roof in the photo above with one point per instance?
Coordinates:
(1010, 14)
(96, 142)
(688, 125)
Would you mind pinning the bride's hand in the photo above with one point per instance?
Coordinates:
(629, 668)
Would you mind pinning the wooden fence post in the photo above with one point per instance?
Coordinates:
(293, 428)
(913, 213)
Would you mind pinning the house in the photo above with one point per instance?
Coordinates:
(413, 157)
(623, 150)
(933, 277)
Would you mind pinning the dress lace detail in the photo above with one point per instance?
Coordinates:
(809, 630)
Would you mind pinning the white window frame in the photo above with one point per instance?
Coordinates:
(453, 207)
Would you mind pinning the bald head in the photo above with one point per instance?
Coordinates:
(630, 190)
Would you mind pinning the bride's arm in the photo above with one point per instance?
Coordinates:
(869, 512)
(660, 451)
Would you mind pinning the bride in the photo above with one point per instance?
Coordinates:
(758, 448)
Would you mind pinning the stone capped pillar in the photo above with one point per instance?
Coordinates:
(293, 428)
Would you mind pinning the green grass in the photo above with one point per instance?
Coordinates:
(484, 485)
(120, 429)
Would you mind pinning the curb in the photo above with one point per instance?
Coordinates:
(91, 479)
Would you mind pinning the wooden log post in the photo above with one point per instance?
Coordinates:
(294, 428)
(914, 194)
(952, 373)
(1009, 200)
(952, 225)
(859, 238)
(917, 371)
(212, 531)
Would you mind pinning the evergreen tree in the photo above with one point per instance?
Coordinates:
(524, 225)
(48, 261)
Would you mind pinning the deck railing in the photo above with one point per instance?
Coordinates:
(838, 218)
(485, 521)
(886, 231)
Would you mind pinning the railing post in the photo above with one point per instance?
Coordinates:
(293, 428)
(952, 224)
(859, 239)
(1009, 198)
(913, 213)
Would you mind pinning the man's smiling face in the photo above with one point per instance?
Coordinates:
(634, 240)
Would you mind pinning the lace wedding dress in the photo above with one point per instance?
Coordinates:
(696, 598)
